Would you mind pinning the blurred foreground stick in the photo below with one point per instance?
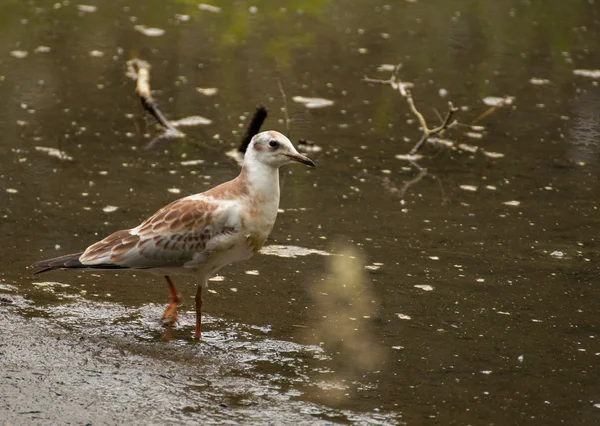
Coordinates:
(139, 70)
(255, 124)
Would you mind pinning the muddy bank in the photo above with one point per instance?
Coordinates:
(53, 375)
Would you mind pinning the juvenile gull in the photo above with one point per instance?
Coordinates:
(198, 235)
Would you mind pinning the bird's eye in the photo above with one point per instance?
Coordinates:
(273, 143)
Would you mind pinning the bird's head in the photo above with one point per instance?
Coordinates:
(275, 150)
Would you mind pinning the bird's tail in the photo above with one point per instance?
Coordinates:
(69, 261)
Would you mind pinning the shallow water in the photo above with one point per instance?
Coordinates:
(479, 298)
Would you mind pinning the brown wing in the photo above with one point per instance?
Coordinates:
(169, 238)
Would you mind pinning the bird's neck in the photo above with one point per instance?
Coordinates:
(262, 181)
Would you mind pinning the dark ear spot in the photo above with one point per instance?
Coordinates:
(259, 146)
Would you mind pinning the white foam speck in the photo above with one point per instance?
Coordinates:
(209, 8)
(19, 54)
(403, 316)
(424, 287)
(12, 190)
(253, 272)
(512, 203)
(217, 278)
(207, 91)
(174, 190)
(496, 101)
(471, 188)
(539, 81)
(96, 53)
(149, 31)
(53, 152)
(468, 148)
(290, 251)
(191, 162)
(587, 73)
(194, 120)
(312, 103)
(86, 8)
(492, 154)
(486, 371)
(110, 209)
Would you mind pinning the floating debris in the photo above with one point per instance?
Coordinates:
(468, 148)
(182, 18)
(192, 162)
(513, 203)
(207, 91)
(86, 8)
(495, 101)
(424, 287)
(53, 152)
(110, 209)
(409, 157)
(42, 49)
(443, 142)
(149, 31)
(19, 54)
(587, 73)
(471, 188)
(539, 81)
(404, 317)
(492, 154)
(290, 251)
(312, 103)
(209, 8)
(217, 278)
(474, 135)
(50, 284)
(194, 120)
(386, 68)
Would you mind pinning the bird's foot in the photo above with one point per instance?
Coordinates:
(170, 315)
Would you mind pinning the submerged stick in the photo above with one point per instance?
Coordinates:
(139, 70)
(254, 127)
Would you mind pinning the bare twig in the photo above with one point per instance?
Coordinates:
(254, 127)
(139, 70)
(404, 89)
(427, 132)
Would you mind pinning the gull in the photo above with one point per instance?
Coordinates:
(199, 234)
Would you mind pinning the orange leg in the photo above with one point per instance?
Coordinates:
(170, 314)
(198, 313)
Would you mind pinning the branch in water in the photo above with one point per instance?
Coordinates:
(139, 70)
(255, 124)
(404, 89)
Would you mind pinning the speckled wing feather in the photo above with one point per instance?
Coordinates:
(177, 235)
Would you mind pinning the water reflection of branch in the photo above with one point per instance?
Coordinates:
(422, 172)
